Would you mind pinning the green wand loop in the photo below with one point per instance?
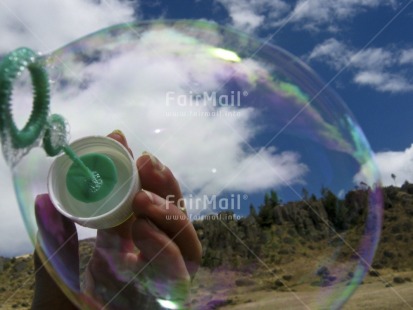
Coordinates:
(20, 141)
(53, 128)
(11, 67)
(83, 183)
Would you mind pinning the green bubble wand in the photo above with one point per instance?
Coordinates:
(51, 130)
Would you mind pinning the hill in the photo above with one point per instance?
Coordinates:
(278, 247)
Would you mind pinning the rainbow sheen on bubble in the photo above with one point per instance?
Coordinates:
(233, 118)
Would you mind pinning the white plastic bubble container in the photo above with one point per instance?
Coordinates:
(111, 210)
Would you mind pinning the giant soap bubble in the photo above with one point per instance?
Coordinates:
(277, 175)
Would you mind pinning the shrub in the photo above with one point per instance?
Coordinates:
(398, 280)
(278, 283)
(388, 254)
(244, 282)
(374, 273)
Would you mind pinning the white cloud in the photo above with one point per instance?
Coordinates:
(399, 163)
(377, 58)
(383, 81)
(406, 56)
(249, 15)
(337, 55)
(384, 69)
(316, 14)
(370, 78)
(45, 25)
(246, 20)
(313, 15)
(283, 169)
(333, 52)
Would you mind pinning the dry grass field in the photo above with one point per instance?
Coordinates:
(234, 290)
(373, 294)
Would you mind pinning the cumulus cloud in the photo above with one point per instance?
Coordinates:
(332, 52)
(398, 163)
(383, 69)
(377, 58)
(250, 15)
(383, 81)
(45, 25)
(406, 56)
(314, 14)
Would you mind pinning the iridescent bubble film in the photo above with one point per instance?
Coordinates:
(277, 176)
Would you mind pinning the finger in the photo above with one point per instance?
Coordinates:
(158, 249)
(161, 264)
(158, 178)
(119, 136)
(168, 218)
(58, 246)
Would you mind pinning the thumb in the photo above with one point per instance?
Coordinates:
(56, 250)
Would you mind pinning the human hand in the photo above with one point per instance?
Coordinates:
(168, 255)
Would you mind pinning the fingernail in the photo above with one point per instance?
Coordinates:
(155, 161)
(119, 133)
(155, 199)
(149, 194)
(120, 136)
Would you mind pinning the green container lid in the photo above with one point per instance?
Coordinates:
(85, 189)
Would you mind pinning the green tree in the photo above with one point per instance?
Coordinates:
(266, 211)
(253, 212)
(274, 198)
(334, 208)
(304, 194)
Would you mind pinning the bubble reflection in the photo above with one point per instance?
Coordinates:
(229, 116)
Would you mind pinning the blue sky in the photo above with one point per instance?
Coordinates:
(362, 48)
